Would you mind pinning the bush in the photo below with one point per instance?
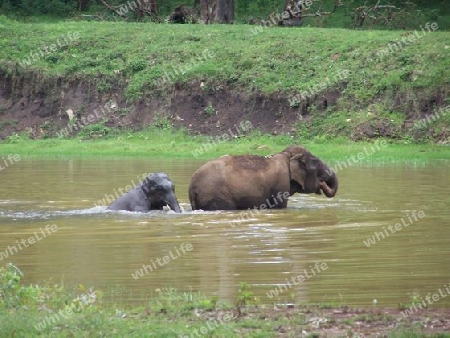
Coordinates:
(53, 297)
(33, 7)
(95, 130)
(9, 285)
(137, 65)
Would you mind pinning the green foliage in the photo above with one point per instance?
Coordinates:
(154, 142)
(209, 110)
(137, 65)
(95, 130)
(245, 296)
(52, 58)
(10, 289)
(18, 137)
(410, 17)
(161, 120)
(33, 7)
(124, 111)
(13, 294)
(6, 123)
(336, 303)
(414, 298)
(265, 62)
(172, 300)
(37, 303)
(165, 312)
(104, 86)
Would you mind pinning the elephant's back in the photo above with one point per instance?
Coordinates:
(250, 162)
(205, 183)
(211, 170)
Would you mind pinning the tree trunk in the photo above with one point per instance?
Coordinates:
(292, 15)
(83, 5)
(217, 11)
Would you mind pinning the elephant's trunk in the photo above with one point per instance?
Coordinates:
(173, 204)
(330, 186)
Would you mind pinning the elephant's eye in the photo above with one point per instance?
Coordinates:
(302, 164)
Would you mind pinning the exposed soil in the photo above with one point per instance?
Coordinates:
(343, 322)
(42, 107)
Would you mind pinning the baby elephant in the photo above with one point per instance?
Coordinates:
(154, 192)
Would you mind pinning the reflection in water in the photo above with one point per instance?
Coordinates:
(94, 246)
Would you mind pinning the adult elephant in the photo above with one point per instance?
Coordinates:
(153, 193)
(263, 182)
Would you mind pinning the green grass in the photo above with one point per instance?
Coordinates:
(171, 143)
(380, 93)
(275, 60)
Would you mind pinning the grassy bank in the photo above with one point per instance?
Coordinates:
(171, 143)
(50, 310)
(271, 59)
(321, 83)
(338, 82)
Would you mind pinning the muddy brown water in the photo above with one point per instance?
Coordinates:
(92, 246)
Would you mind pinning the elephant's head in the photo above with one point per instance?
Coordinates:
(160, 191)
(309, 174)
(328, 180)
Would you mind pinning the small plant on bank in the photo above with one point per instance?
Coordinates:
(162, 121)
(16, 138)
(137, 65)
(96, 130)
(333, 304)
(46, 129)
(414, 299)
(104, 86)
(245, 297)
(210, 111)
(72, 121)
(53, 58)
(10, 285)
(123, 111)
(294, 104)
(6, 123)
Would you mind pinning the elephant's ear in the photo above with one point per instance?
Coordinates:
(147, 185)
(298, 173)
(304, 169)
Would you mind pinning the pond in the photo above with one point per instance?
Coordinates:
(316, 250)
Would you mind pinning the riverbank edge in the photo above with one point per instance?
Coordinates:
(345, 90)
(155, 143)
(168, 312)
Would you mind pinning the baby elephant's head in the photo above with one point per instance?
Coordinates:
(160, 191)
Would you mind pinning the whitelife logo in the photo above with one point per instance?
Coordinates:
(49, 229)
(162, 261)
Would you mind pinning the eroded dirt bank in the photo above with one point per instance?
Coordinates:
(42, 107)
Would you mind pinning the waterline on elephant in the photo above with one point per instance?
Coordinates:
(250, 181)
(153, 193)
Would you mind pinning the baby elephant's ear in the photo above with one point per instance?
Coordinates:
(151, 176)
(147, 184)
